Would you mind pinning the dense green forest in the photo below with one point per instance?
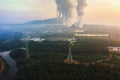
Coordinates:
(10, 40)
(50, 66)
(47, 57)
(47, 61)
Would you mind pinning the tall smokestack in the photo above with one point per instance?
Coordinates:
(69, 12)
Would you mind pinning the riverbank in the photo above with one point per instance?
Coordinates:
(12, 71)
(3, 67)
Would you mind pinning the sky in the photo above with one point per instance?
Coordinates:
(106, 12)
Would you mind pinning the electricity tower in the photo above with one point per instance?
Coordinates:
(70, 58)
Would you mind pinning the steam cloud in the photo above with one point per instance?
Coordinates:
(69, 12)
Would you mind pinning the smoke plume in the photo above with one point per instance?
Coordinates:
(69, 12)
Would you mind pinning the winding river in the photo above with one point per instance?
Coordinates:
(12, 66)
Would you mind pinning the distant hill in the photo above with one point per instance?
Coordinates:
(45, 21)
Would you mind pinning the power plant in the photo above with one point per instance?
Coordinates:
(69, 12)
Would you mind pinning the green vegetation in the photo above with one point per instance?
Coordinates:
(18, 54)
(10, 40)
(64, 35)
(11, 45)
(50, 66)
(49, 46)
(46, 62)
(47, 58)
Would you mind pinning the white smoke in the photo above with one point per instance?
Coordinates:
(70, 12)
(80, 10)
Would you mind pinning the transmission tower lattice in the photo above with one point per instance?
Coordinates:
(70, 58)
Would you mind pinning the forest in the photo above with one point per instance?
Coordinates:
(47, 61)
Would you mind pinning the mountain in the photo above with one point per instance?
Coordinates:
(45, 21)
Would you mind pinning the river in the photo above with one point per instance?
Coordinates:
(12, 66)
